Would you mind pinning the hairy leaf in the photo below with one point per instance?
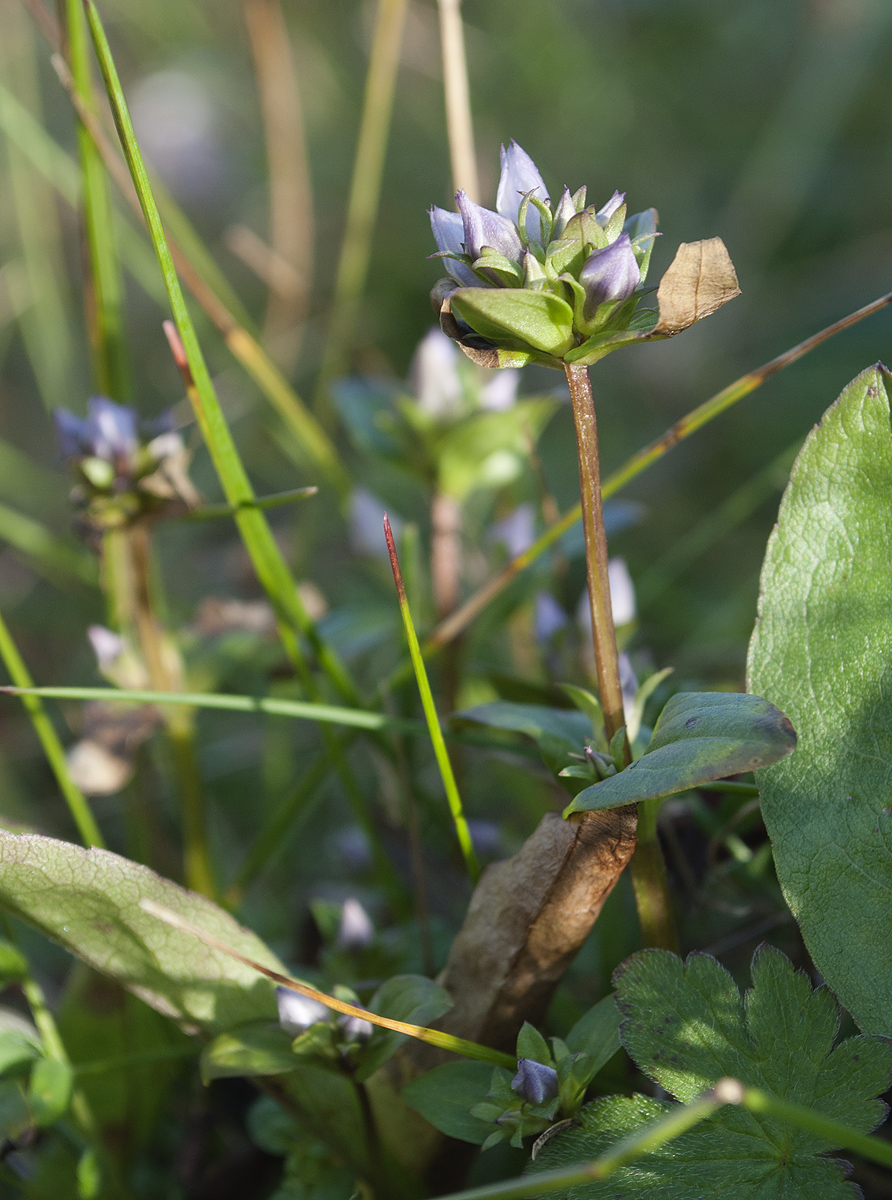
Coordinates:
(686, 1026)
(822, 648)
(88, 902)
(699, 737)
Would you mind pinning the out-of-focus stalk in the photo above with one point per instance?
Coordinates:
(364, 198)
(290, 195)
(458, 100)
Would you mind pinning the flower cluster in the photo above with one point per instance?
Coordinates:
(562, 283)
(125, 471)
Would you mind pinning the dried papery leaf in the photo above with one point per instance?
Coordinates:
(701, 278)
(527, 919)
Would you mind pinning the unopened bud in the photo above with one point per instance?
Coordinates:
(534, 1081)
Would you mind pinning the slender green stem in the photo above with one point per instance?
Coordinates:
(365, 195)
(458, 621)
(543, 1183)
(458, 100)
(603, 635)
(272, 571)
(210, 512)
(648, 869)
(649, 882)
(841, 1136)
(433, 1037)
(103, 287)
(49, 739)
(430, 712)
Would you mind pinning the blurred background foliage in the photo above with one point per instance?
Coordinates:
(766, 122)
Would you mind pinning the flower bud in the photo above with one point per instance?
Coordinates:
(519, 177)
(297, 1013)
(449, 232)
(609, 274)
(534, 1081)
(356, 930)
(485, 228)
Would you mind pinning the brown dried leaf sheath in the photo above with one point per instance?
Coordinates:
(701, 278)
(528, 918)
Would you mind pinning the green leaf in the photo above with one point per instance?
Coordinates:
(531, 1044)
(411, 998)
(13, 964)
(89, 1175)
(490, 449)
(446, 1095)
(256, 1049)
(699, 737)
(558, 732)
(686, 1026)
(822, 649)
(596, 1034)
(539, 319)
(49, 1091)
(88, 902)
(19, 1040)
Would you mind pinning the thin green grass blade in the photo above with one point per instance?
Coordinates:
(212, 512)
(49, 739)
(329, 714)
(270, 566)
(105, 301)
(430, 713)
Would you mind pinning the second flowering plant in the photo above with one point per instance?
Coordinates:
(563, 283)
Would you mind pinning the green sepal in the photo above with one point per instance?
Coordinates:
(531, 1044)
(507, 272)
(617, 749)
(518, 318)
(614, 225)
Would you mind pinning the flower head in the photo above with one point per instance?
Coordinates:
(534, 1081)
(533, 281)
(126, 469)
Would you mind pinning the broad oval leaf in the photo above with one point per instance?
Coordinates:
(88, 902)
(822, 648)
(446, 1095)
(558, 732)
(540, 319)
(411, 998)
(699, 737)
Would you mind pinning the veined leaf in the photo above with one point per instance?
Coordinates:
(540, 319)
(446, 1095)
(558, 732)
(88, 901)
(699, 737)
(822, 648)
(686, 1026)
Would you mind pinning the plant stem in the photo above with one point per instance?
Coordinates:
(365, 194)
(458, 100)
(648, 869)
(649, 882)
(603, 635)
(162, 666)
(433, 721)
(49, 739)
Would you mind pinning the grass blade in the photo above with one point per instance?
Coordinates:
(104, 295)
(430, 712)
(356, 718)
(48, 555)
(433, 1037)
(262, 548)
(49, 739)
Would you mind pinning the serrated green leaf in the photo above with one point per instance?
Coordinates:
(557, 732)
(88, 902)
(446, 1095)
(538, 319)
(412, 998)
(699, 737)
(256, 1049)
(822, 648)
(686, 1026)
(49, 1091)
